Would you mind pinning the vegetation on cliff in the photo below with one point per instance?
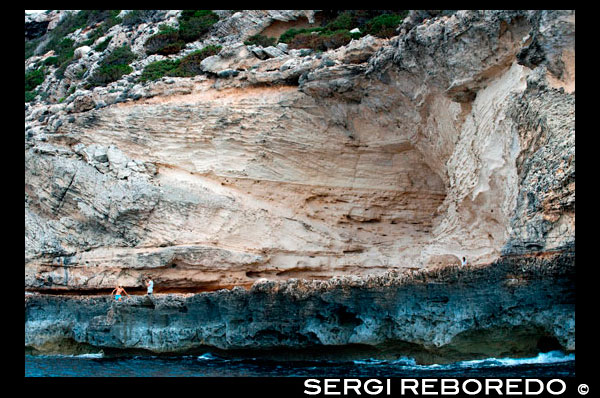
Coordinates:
(341, 30)
(192, 25)
(186, 67)
(32, 80)
(98, 21)
(113, 66)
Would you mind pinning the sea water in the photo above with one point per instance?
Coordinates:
(550, 364)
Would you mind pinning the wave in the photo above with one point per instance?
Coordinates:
(542, 358)
(406, 361)
(84, 356)
(211, 357)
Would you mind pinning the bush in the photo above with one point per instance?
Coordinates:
(34, 79)
(108, 74)
(337, 32)
(384, 25)
(63, 54)
(321, 42)
(136, 17)
(102, 46)
(185, 67)
(113, 66)
(190, 64)
(158, 69)
(51, 61)
(164, 28)
(343, 21)
(164, 44)
(289, 34)
(192, 25)
(260, 40)
(119, 56)
(191, 30)
(81, 73)
(64, 50)
(30, 96)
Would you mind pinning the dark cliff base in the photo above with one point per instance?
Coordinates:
(518, 306)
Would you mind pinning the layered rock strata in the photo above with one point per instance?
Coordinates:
(516, 307)
(278, 169)
(455, 138)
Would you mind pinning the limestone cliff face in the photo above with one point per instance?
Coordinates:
(454, 138)
(517, 307)
(332, 193)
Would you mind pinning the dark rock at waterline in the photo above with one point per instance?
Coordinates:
(517, 306)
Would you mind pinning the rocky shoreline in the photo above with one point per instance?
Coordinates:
(517, 306)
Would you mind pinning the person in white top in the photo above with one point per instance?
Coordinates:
(150, 285)
(463, 262)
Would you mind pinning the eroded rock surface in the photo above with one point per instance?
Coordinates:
(454, 138)
(515, 307)
(412, 152)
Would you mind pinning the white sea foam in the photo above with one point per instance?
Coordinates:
(369, 361)
(210, 357)
(89, 355)
(92, 355)
(405, 361)
(542, 358)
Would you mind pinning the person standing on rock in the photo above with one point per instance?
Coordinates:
(150, 285)
(463, 262)
(117, 292)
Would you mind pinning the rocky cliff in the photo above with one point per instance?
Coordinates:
(517, 308)
(453, 138)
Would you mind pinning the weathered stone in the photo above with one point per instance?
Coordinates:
(504, 310)
(282, 47)
(81, 51)
(454, 138)
(83, 103)
(273, 52)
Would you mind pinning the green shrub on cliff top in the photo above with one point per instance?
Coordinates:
(120, 55)
(336, 32)
(158, 69)
(30, 96)
(190, 64)
(195, 23)
(289, 34)
(321, 42)
(113, 66)
(34, 79)
(260, 40)
(343, 21)
(186, 67)
(385, 25)
(192, 25)
(102, 46)
(164, 43)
